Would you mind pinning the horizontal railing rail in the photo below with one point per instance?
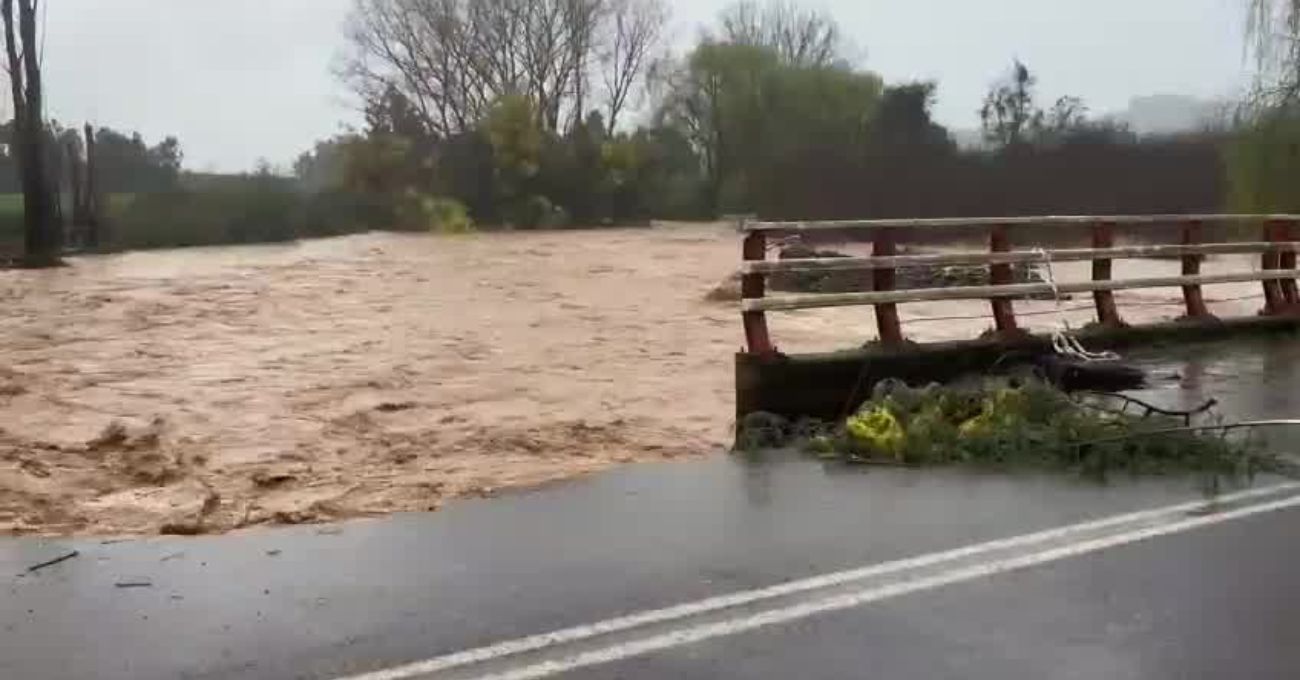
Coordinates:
(751, 226)
(1277, 271)
(1014, 290)
(824, 264)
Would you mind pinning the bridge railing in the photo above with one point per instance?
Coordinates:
(1276, 247)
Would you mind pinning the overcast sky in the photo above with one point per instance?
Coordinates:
(239, 80)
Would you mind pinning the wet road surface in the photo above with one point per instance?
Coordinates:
(1220, 603)
(334, 601)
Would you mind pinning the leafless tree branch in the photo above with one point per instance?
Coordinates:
(635, 30)
(453, 58)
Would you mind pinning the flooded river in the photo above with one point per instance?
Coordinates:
(208, 389)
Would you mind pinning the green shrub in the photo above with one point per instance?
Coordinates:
(339, 211)
(434, 213)
(536, 212)
(251, 209)
(449, 216)
(165, 220)
(253, 214)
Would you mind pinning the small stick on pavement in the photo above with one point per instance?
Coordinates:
(134, 584)
(50, 563)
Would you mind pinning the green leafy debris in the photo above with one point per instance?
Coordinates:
(1009, 424)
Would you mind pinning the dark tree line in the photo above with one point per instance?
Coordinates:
(768, 114)
(126, 163)
(548, 113)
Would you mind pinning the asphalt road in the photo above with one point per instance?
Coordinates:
(313, 602)
(1222, 602)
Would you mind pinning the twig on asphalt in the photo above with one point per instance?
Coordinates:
(134, 584)
(50, 563)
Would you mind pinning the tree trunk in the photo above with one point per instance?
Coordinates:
(42, 236)
(96, 223)
(76, 172)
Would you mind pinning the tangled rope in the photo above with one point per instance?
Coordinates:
(1063, 341)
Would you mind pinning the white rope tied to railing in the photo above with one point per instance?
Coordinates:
(1063, 341)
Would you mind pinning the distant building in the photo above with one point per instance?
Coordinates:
(1164, 114)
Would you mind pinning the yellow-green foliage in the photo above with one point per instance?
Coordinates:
(516, 138)
(996, 423)
(450, 216)
(437, 214)
(876, 431)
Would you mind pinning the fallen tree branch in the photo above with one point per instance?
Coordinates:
(50, 563)
(1153, 409)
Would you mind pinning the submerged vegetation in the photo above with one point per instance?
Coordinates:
(1010, 424)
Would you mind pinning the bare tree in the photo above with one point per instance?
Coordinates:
(1009, 115)
(42, 236)
(803, 37)
(586, 18)
(635, 29)
(453, 58)
(417, 47)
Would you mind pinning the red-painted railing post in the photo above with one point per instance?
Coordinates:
(1274, 299)
(1192, 294)
(753, 287)
(1103, 236)
(883, 279)
(1004, 312)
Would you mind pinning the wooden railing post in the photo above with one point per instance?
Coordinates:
(1103, 236)
(1274, 300)
(1286, 232)
(887, 323)
(753, 287)
(1192, 294)
(1004, 312)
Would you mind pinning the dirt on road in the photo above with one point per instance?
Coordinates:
(208, 389)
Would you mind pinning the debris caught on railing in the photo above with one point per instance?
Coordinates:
(906, 278)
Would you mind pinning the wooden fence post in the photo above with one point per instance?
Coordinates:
(1103, 236)
(1274, 299)
(753, 287)
(887, 323)
(1192, 295)
(1287, 260)
(1004, 312)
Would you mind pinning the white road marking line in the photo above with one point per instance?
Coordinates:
(800, 611)
(691, 609)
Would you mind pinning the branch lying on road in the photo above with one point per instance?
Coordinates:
(50, 563)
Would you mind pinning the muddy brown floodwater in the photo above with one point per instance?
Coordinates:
(207, 389)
